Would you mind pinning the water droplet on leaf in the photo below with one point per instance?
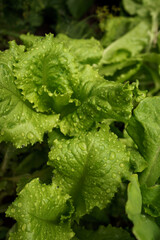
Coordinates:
(30, 135)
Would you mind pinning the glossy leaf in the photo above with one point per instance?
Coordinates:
(132, 6)
(137, 161)
(129, 45)
(112, 33)
(86, 51)
(144, 227)
(144, 128)
(38, 211)
(90, 168)
(64, 86)
(100, 99)
(47, 74)
(19, 123)
(151, 196)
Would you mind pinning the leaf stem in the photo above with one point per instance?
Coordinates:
(154, 31)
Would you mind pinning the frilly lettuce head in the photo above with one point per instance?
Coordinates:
(48, 83)
(47, 74)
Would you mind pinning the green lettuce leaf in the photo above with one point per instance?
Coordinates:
(86, 51)
(39, 211)
(151, 196)
(19, 123)
(121, 71)
(90, 168)
(137, 161)
(144, 227)
(47, 74)
(100, 99)
(52, 80)
(142, 8)
(144, 129)
(129, 45)
(132, 7)
(111, 32)
(148, 10)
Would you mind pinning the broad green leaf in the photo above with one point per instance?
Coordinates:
(132, 6)
(151, 57)
(151, 63)
(111, 32)
(128, 45)
(51, 79)
(143, 8)
(86, 51)
(121, 71)
(100, 99)
(47, 74)
(90, 168)
(144, 227)
(110, 69)
(137, 161)
(151, 196)
(134, 204)
(103, 233)
(19, 123)
(147, 75)
(152, 5)
(144, 128)
(127, 73)
(39, 211)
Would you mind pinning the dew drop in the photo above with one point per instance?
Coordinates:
(30, 135)
(121, 165)
(114, 175)
(12, 210)
(108, 190)
(24, 227)
(112, 155)
(2, 133)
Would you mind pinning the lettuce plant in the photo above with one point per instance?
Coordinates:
(99, 138)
